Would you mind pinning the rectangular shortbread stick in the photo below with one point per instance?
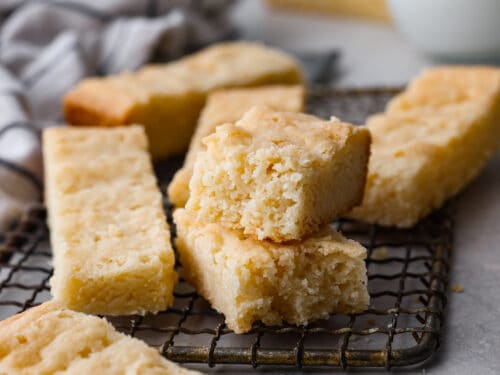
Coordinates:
(167, 99)
(432, 140)
(110, 238)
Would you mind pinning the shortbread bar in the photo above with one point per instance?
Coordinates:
(432, 140)
(167, 99)
(228, 106)
(279, 175)
(110, 239)
(374, 10)
(50, 339)
(249, 280)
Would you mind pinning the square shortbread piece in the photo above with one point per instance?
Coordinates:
(50, 339)
(279, 175)
(167, 99)
(249, 280)
(432, 140)
(228, 106)
(110, 238)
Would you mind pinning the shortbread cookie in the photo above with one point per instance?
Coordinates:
(228, 106)
(432, 140)
(279, 175)
(375, 10)
(249, 280)
(167, 99)
(109, 235)
(50, 339)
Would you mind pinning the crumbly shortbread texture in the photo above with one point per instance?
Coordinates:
(433, 139)
(110, 239)
(279, 175)
(249, 280)
(167, 99)
(229, 105)
(49, 339)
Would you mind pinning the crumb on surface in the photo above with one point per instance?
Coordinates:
(371, 322)
(380, 253)
(457, 288)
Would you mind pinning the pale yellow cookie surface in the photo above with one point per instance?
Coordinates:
(228, 106)
(279, 175)
(50, 339)
(433, 139)
(110, 239)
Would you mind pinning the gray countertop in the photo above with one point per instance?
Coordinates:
(472, 336)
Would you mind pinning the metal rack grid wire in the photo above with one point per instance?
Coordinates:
(407, 272)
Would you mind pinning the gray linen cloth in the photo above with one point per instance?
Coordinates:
(46, 46)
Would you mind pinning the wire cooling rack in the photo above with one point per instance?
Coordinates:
(407, 272)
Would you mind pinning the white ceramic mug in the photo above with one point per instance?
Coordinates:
(460, 30)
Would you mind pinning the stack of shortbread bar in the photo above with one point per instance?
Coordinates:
(254, 237)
